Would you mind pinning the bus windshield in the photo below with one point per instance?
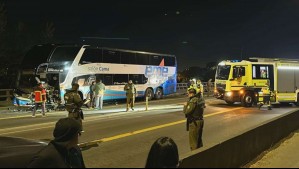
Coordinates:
(37, 55)
(64, 54)
(223, 72)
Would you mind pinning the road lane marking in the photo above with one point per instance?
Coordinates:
(112, 106)
(26, 128)
(146, 130)
(52, 124)
(90, 111)
(25, 116)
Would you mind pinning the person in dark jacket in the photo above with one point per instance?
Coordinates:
(92, 94)
(63, 150)
(193, 111)
(131, 92)
(163, 154)
(73, 103)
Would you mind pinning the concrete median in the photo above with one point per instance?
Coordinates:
(241, 149)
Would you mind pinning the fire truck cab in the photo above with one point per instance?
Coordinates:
(242, 81)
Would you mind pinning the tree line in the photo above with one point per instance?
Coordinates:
(16, 38)
(196, 72)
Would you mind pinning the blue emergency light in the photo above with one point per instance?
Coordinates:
(235, 61)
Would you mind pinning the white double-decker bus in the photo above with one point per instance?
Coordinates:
(153, 74)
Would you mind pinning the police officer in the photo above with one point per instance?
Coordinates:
(266, 96)
(131, 94)
(193, 111)
(192, 86)
(73, 103)
(200, 87)
(209, 87)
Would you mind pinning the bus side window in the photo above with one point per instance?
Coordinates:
(110, 56)
(128, 58)
(91, 56)
(107, 79)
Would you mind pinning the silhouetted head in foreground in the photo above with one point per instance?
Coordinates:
(163, 154)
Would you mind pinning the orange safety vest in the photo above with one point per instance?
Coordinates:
(40, 96)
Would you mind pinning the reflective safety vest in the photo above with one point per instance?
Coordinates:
(193, 86)
(266, 91)
(40, 96)
(200, 88)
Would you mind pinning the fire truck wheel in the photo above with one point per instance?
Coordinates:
(247, 100)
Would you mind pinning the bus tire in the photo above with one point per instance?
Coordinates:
(247, 100)
(297, 103)
(159, 94)
(149, 93)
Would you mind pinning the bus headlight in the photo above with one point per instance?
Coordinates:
(241, 92)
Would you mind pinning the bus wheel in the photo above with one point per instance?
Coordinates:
(247, 100)
(159, 94)
(297, 103)
(149, 93)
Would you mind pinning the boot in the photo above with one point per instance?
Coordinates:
(260, 105)
(269, 107)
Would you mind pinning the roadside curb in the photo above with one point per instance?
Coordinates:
(240, 150)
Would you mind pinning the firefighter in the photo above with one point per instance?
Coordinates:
(193, 111)
(266, 96)
(40, 98)
(73, 104)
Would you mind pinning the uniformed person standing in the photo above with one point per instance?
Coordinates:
(39, 98)
(192, 86)
(193, 111)
(73, 103)
(266, 96)
(199, 87)
(131, 94)
(209, 87)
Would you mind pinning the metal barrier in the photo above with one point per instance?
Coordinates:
(5, 97)
(182, 87)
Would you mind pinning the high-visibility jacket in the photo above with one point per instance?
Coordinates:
(193, 86)
(266, 90)
(200, 87)
(40, 95)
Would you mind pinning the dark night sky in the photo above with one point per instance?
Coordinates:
(196, 31)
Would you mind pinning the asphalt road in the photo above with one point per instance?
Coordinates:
(124, 138)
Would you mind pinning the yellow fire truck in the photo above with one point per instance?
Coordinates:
(241, 81)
